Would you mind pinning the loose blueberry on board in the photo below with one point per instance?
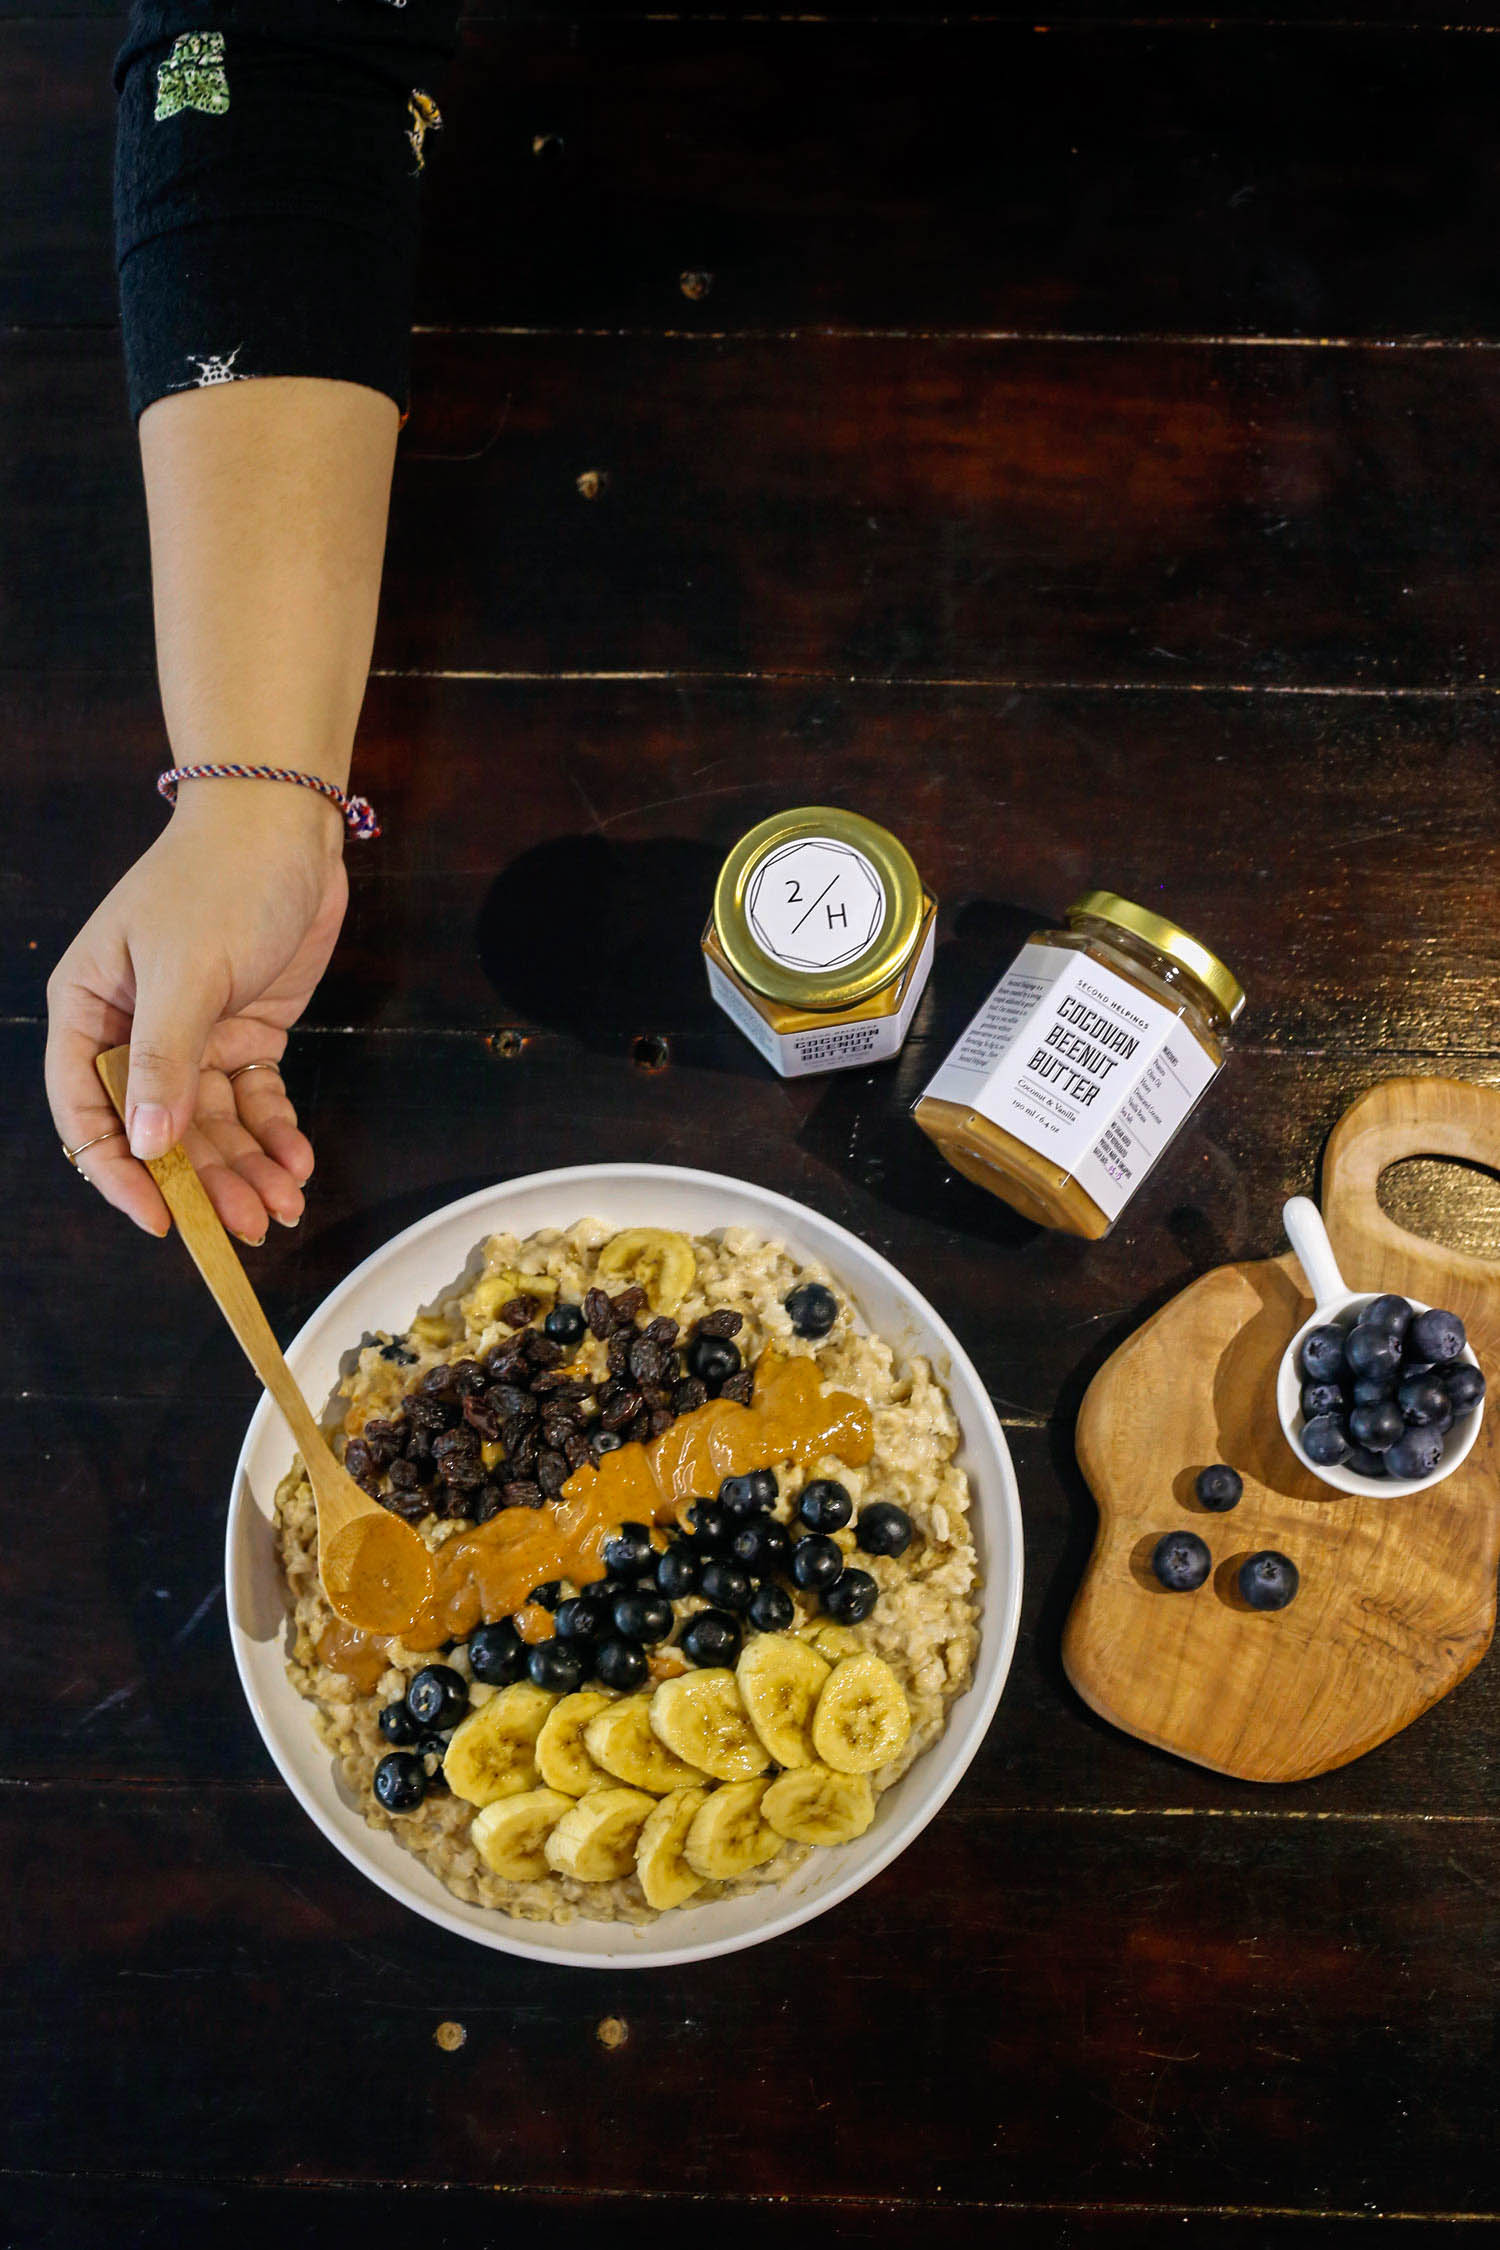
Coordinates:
(726, 1586)
(1416, 1454)
(497, 1654)
(761, 1545)
(1465, 1386)
(629, 1552)
(1323, 1398)
(825, 1504)
(1389, 1312)
(771, 1608)
(399, 1727)
(620, 1664)
(1322, 1354)
(1325, 1440)
(400, 1781)
(851, 1597)
(1437, 1336)
(1423, 1399)
(713, 1359)
(1181, 1561)
(1372, 1352)
(1377, 1427)
(816, 1562)
(751, 1495)
(643, 1617)
(578, 1620)
(1268, 1580)
(711, 1638)
(677, 1569)
(437, 1696)
(565, 1324)
(557, 1666)
(883, 1529)
(812, 1309)
(1364, 1463)
(710, 1525)
(1220, 1488)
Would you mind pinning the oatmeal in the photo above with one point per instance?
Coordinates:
(710, 1585)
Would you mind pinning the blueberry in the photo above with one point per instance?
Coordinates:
(1376, 1428)
(548, 1596)
(1465, 1386)
(852, 1596)
(1364, 1463)
(1325, 1440)
(1268, 1580)
(710, 1525)
(771, 1609)
(750, 1495)
(725, 1585)
(812, 1309)
(620, 1664)
(713, 1359)
(1322, 1398)
(1411, 1367)
(761, 1546)
(599, 1595)
(1415, 1455)
(437, 1696)
(1422, 1399)
(825, 1505)
(1181, 1561)
(711, 1638)
(1438, 1336)
(1393, 1313)
(1370, 1390)
(642, 1617)
(816, 1562)
(629, 1552)
(606, 1441)
(399, 1727)
(1322, 1354)
(558, 1666)
(565, 1324)
(497, 1654)
(1372, 1352)
(1220, 1488)
(677, 1572)
(400, 1781)
(883, 1529)
(579, 1620)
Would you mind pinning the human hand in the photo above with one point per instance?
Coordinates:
(202, 957)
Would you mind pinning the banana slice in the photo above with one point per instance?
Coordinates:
(596, 1838)
(702, 1717)
(665, 1875)
(862, 1717)
(728, 1836)
(662, 1263)
(510, 1836)
(814, 1805)
(780, 1680)
(492, 1753)
(834, 1641)
(621, 1741)
(562, 1758)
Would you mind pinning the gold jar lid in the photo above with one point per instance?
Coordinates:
(818, 907)
(1155, 929)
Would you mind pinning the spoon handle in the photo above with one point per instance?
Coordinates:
(1309, 1238)
(213, 1254)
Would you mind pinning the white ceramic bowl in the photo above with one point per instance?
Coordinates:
(383, 1293)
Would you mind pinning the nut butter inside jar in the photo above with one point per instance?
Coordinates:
(1082, 1064)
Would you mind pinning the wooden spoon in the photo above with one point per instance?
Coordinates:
(376, 1571)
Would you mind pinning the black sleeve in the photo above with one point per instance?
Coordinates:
(267, 160)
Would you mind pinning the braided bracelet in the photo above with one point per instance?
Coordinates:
(358, 812)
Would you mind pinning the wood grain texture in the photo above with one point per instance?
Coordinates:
(1397, 1597)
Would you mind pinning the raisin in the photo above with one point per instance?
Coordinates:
(541, 1350)
(503, 1361)
(577, 1448)
(419, 1445)
(556, 1382)
(437, 1381)
(618, 1406)
(409, 1506)
(661, 1331)
(517, 1311)
(427, 1413)
(513, 1404)
(406, 1476)
(627, 1304)
(481, 1416)
(458, 1502)
(469, 1378)
(740, 1387)
(359, 1460)
(520, 1458)
(383, 1439)
(488, 1501)
(662, 1418)
(656, 1396)
(617, 1351)
(719, 1324)
(522, 1494)
(649, 1363)
(598, 1313)
(688, 1394)
(455, 1445)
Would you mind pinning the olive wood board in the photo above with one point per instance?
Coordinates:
(1397, 1598)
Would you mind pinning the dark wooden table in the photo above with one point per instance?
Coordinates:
(1083, 454)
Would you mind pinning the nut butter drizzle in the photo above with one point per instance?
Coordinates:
(487, 1573)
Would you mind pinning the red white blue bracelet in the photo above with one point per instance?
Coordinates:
(358, 812)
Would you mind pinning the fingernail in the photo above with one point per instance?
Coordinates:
(251, 1241)
(281, 1222)
(150, 1130)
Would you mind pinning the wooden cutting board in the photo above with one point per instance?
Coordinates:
(1397, 1600)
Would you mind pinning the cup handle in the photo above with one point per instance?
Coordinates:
(1309, 1238)
(1398, 1118)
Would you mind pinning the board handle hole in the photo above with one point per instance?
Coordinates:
(1444, 1199)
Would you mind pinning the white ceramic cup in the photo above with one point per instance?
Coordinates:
(1337, 1305)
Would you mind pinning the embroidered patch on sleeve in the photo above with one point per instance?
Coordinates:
(425, 119)
(192, 77)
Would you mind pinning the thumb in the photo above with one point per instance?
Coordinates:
(174, 1014)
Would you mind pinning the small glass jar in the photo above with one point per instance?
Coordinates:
(1083, 1063)
(820, 942)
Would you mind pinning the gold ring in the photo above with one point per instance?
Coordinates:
(73, 1154)
(234, 1074)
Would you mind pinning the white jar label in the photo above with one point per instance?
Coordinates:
(1080, 1066)
(815, 904)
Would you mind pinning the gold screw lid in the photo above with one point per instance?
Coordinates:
(1155, 929)
(818, 908)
